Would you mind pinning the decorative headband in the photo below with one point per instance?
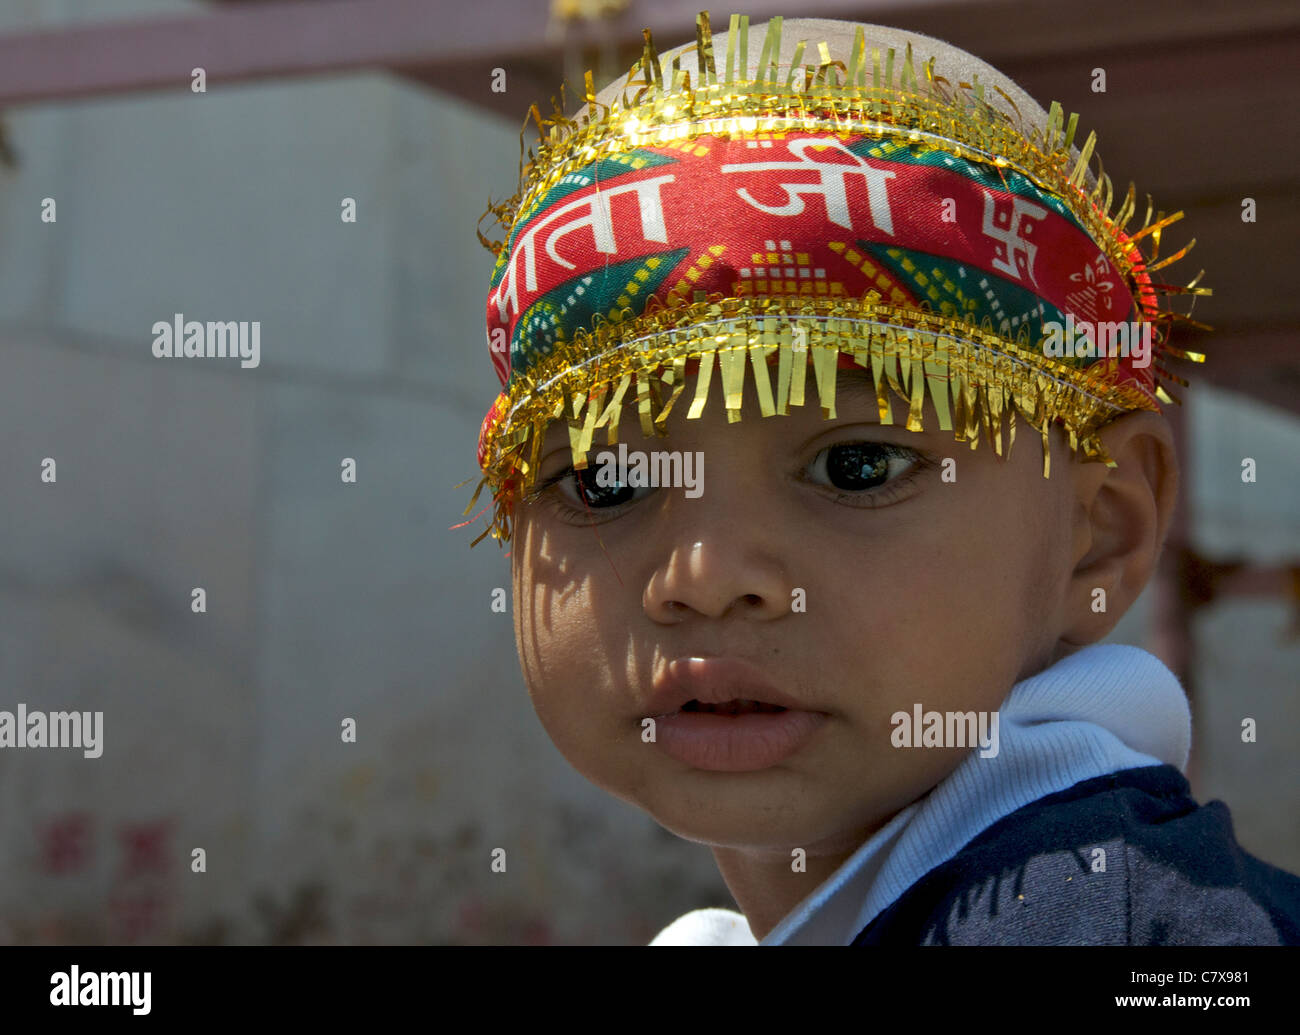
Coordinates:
(839, 217)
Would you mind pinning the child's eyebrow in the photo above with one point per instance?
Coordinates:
(858, 389)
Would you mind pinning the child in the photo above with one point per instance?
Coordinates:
(859, 659)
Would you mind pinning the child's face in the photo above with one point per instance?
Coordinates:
(922, 590)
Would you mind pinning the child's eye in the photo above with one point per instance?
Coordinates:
(581, 490)
(863, 472)
(858, 467)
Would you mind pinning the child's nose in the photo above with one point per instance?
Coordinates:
(717, 557)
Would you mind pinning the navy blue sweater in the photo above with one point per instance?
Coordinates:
(1173, 874)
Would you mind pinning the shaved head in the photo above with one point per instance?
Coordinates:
(950, 62)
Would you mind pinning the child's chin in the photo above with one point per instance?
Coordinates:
(738, 823)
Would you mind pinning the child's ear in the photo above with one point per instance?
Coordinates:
(1121, 516)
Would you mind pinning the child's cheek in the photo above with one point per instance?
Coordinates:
(568, 683)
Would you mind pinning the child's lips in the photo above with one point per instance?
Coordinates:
(715, 681)
(735, 744)
(724, 742)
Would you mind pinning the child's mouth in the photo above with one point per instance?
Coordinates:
(736, 706)
(726, 734)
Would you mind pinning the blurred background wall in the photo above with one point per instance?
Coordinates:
(328, 600)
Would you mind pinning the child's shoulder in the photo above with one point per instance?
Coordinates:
(1124, 859)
